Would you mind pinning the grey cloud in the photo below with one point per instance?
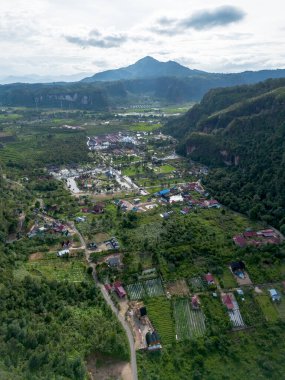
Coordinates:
(96, 39)
(201, 20)
(209, 19)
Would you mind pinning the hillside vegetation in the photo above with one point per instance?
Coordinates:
(145, 82)
(240, 133)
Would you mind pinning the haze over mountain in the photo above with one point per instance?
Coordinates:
(35, 78)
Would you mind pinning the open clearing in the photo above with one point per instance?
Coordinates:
(189, 323)
(268, 309)
(177, 288)
(72, 270)
(106, 368)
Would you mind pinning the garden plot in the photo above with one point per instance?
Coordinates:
(136, 291)
(150, 288)
(189, 323)
(197, 284)
(160, 315)
(154, 287)
(235, 315)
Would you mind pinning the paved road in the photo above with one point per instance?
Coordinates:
(112, 306)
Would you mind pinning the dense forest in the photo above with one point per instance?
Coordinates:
(240, 133)
(48, 328)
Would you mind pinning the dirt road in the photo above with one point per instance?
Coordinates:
(111, 304)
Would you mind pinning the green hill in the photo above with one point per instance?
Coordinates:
(240, 133)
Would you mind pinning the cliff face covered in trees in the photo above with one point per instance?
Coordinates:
(240, 133)
(146, 82)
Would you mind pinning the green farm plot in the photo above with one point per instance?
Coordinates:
(154, 287)
(189, 323)
(144, 127)
(136, 291)
(59, 269)
(228, 279)
(269, 310)
(197, 284)
(160, 314)
(150, 288)
(165, 169)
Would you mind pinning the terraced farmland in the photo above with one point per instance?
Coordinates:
(189, 323)
(160, 314)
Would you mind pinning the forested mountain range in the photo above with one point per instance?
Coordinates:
(144, 82)
(240, 133)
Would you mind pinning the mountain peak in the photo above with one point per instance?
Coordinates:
(146, 59)
(147, 67)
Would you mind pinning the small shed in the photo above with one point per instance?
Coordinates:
(108, 287)
(275, 296)
(120, 292)
(209, 278)
(114, 262)
(227, 301)
(63, 253)
(143, 311)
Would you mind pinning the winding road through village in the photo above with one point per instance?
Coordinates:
(110, 303)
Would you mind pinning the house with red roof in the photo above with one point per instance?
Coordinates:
(120, 291)
(239, 240)
(209, 278)
(227, 301)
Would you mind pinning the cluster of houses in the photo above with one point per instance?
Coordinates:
(183, 194)
(110, 140)
(257, 238)
(48, 228)
(113, 243)
(98, 208)
(117, 288)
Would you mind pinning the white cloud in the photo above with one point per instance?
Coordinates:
(47, 36)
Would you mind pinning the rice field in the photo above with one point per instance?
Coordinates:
(150, 288)
(189, 323)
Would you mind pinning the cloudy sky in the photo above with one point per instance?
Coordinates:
(66, 37)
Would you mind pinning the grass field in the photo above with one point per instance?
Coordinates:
(164, 169)
(268, 309)
(160, 314)
(144, 127)
(72, 270)
(228, 279)
(189, 323)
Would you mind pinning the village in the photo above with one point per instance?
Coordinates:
(159, 311)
